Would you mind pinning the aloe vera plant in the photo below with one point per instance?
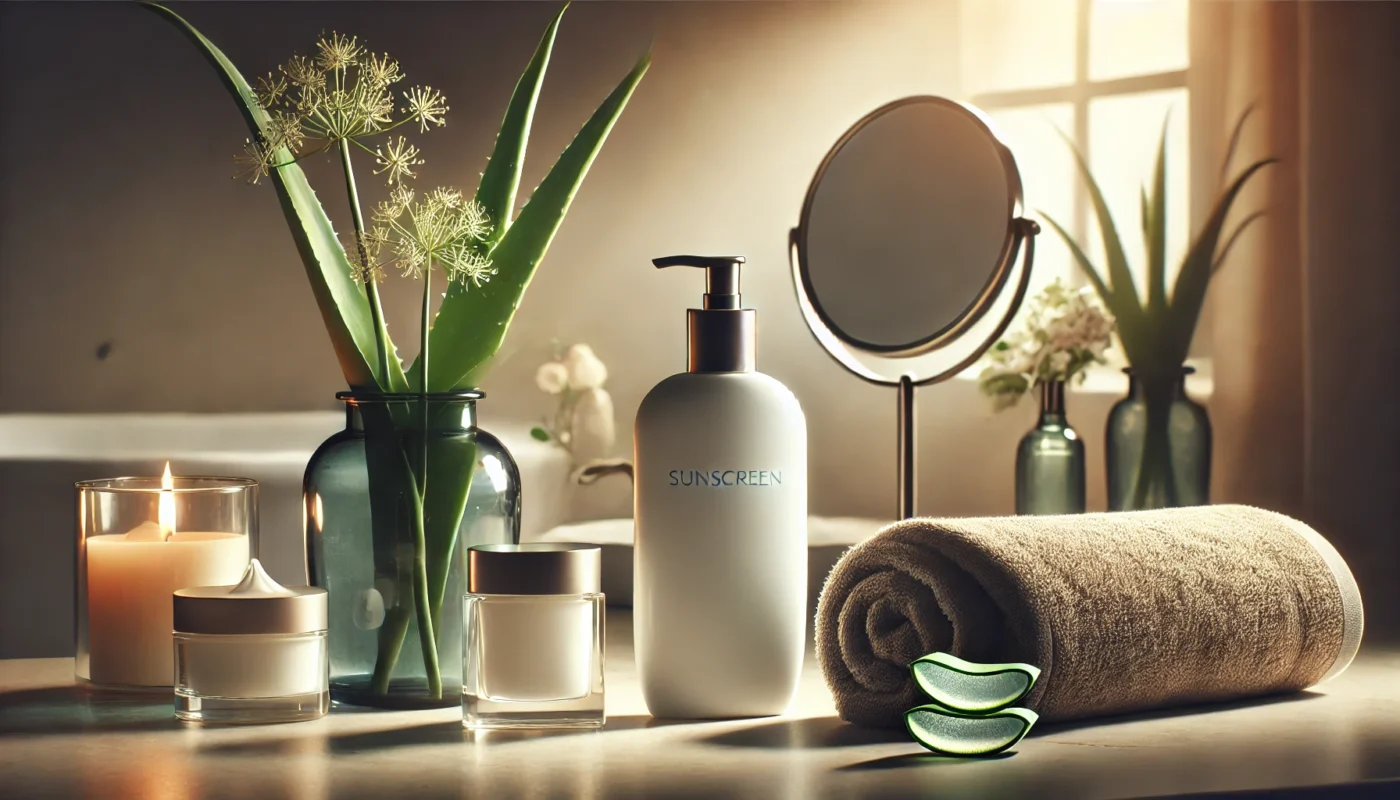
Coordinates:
(1156, 330)
(487, 253)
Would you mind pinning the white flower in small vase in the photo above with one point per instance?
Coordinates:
(552, 377)
(1061, 333)
(586, 370)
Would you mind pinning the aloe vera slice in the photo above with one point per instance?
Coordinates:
(970, 687)
(953, 733)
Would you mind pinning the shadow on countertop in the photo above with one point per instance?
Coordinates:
(1386, 789)
(75, 709)
(1052, 728)
(434, 733)
(805, 734)
(917, 759)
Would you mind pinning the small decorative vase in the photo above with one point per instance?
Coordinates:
(390, 547)
(1158, 445)
(1050, 460)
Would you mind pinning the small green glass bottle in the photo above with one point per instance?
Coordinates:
(1050, 460)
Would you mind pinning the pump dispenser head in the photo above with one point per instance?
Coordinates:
(723, 334)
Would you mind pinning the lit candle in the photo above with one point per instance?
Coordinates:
(131, 578)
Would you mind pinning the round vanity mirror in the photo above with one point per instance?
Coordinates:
(905, 256)
(907, 224)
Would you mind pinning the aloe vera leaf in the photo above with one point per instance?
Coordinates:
(1120, 276)
(1144, 211)
(1235, 136)
(341, 299)
(1155, 224)
(501, 179)
(427, 629)
(471, 324)
(1155, 481)
(1189, 294)
(452, 465)
(953, 733)
(971, 687)
(1127, 313)
(388, 492)
(391, 448)
(1224, 251)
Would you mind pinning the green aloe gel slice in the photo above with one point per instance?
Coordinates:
(953, 733)
(970, 687)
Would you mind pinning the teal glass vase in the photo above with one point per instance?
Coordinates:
(392, 504)
(1050, 460)
(1158, 445)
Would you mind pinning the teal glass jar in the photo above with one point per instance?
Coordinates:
(392, 504)
(1158, 444)
(1050, 460)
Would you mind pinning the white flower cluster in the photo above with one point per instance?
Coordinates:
(1061, 333)
(583, 420)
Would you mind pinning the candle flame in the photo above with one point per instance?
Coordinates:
(165, 515)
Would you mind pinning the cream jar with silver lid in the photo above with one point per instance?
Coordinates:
(251, 653)
(533, 638)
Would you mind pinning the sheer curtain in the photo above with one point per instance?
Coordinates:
(1246, 54)
(1305, 317)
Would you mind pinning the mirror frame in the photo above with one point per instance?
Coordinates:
(996, 282)
(882, 365)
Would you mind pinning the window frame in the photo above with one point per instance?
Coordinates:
(1079, 95)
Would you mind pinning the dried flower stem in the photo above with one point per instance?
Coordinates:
(423, 380)
(427, 636)
(418, 484)
(422, 598)
(376, 310)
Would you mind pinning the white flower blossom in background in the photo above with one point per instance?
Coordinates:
(586, 371)
(593, 426)
(552, 377)
(583, 419)
(1062, 332)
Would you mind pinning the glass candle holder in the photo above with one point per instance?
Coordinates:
(251, 653)
(139, 540)
(533, 639)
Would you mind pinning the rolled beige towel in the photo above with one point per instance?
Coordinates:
(1121, 612)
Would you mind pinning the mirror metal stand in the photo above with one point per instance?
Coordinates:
(908, 464)
(904, 252)
(1024, 232)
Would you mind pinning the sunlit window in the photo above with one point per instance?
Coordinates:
(1106, 73)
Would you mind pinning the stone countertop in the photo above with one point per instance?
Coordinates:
(1343, 739)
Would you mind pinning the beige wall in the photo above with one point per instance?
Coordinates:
(119, 223)
(122, 225)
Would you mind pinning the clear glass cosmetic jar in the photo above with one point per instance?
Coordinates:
(251, 653)
(533, 638)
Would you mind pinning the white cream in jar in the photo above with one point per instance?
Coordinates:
(251, 653)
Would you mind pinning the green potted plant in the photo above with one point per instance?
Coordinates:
(394, 501)
(1158, 440)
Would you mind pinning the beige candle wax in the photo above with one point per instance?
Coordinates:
(129, 589)
(131, 579)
